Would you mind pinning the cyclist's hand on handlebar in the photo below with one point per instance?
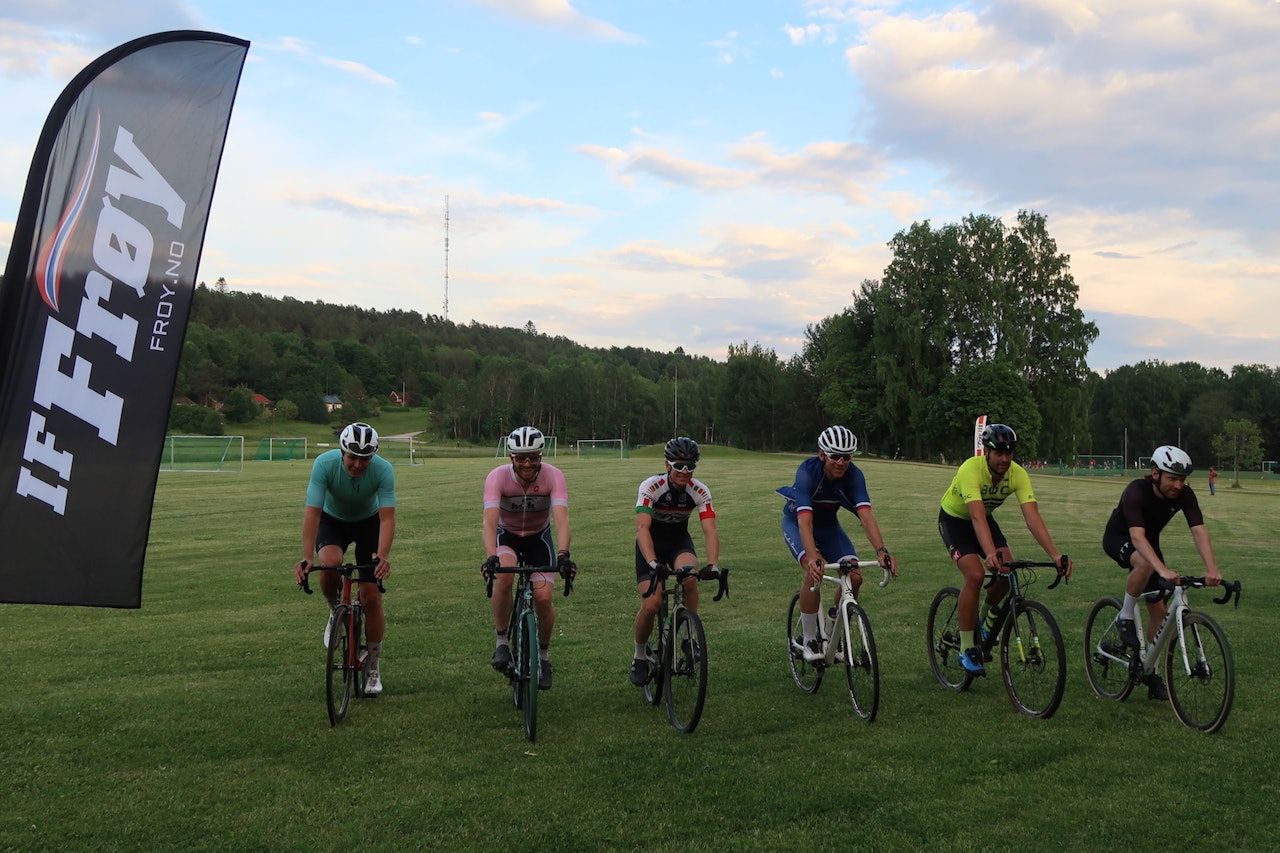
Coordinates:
(489, 567)
(813, 570)
(568, 568)
(1213, 577)
(889, 562)
(300, 572)
(381, 567)
(1065, 565)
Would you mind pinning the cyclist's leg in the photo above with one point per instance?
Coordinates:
(810, 600)
(330, 583)
(834, 542)
(689, 558)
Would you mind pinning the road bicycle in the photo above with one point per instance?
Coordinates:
(1190, 650)
(1033, 659)
(854, 646)
(347, 653)
(678, 666)
(522, 632)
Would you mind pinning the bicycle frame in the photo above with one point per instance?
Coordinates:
(346, 620)
(523, 630)
(684, 667)
(1199, 677)
(1032, 656)
(848, 640)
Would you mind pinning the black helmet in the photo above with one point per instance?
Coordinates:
(999, 437)
(683, 448)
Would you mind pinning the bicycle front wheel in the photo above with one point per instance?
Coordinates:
(943, 637)
(1033, 660)
(1201, 683)
(338, 675)
(686, 677)
(861, 666)
(527, 682)
(808, 677)
(1107, 660)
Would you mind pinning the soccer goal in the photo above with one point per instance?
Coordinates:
(549, 449)
(602, 448)
(203, 453)
(278, 449)
(401, 450)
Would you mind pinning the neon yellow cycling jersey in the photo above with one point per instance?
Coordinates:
(973, 483)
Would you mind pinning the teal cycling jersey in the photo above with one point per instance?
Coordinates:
(348, 498)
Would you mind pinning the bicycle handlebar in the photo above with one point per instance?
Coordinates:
(1058, 567)
(681, 574)
(490, 573)
(346, 570)
(1230, 589)
(849, 565)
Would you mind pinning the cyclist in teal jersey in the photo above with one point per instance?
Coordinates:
(973, 537)
(351, 497)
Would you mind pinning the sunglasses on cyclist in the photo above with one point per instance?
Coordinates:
(684, 466)
(839, 457)
(527, 458)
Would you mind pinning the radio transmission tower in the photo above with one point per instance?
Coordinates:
(446, 257)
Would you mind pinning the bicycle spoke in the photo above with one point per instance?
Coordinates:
(1107, 660)
(1033, 661)
(686, 676)
(807, 676)
(943, 637)
(861, 665)
(1200, 674)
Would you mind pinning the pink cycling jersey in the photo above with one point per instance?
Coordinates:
(525, 511)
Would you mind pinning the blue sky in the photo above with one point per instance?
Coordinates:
(661, 173)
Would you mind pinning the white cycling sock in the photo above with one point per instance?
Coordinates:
(809, 624)
(1126, 609)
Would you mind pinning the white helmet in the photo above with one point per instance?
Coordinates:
(1171, 460)
(838, 439)
(359, 439)
(525, 439)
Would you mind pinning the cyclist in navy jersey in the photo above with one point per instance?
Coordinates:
(351, 497)
(664, 506)
(823, 484)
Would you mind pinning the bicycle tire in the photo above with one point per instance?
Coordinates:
(1201, 695)
(359, 652)
(1033, 660)
(1107, 661)
(337, 675)
(942, 635)
(807, 676)
(861, 665)
(528, 680)
(686, 676)
(658, 659)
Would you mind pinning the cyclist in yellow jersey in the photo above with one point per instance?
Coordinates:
(974, 538)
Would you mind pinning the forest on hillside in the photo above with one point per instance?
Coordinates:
(969, 318)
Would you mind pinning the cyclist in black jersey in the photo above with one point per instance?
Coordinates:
(1132, 539)
(663, 508)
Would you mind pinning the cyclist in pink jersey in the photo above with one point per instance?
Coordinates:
(520, 501)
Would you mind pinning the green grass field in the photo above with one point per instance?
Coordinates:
(198, 722)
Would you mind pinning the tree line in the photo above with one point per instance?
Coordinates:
(975, 317)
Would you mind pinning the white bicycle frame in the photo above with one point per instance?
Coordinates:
(1151, 654)
(841, 622)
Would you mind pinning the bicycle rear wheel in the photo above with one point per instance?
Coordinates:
(1202, 685)
(527, 680)
(942, 634)
(1033, 660)
(686, 676)
(861, 666)
(808, 677)
(338, 676)
(1107, 661)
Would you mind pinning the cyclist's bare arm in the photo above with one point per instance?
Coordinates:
(1200, 534)
(1040, 532)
